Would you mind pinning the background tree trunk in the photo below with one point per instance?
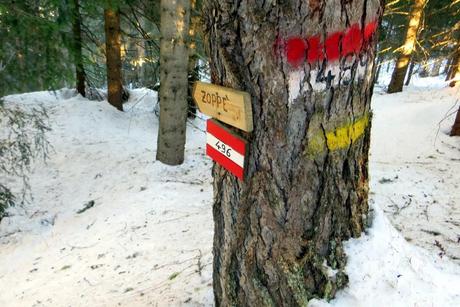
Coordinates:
(409, 73)
(399, 72)
(175, 17)
(435, 70)
(446, 68)
(113, 56)
(454, 73)
(78, 57)
(279, 233)
(423, 69)
(379, 68)
(456, 127)
(192, 56)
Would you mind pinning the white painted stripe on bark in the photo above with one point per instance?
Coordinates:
(232, 154)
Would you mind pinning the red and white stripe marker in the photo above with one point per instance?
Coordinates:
(226, 148)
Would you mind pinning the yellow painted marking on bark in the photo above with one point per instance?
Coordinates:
(344, 136)
(320, 141)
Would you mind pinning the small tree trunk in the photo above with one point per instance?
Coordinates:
(454, 72)
(192, 57)
(175, 17)
(446, 68)
(280, 233)
(379, 67)
(399, 72)
(78, 49)
(435, 70)
(456, 127)
(423, 69)
(409, 74)
(113, 56)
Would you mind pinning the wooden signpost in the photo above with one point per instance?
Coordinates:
(226, 148)
(231, 107)
(225, 104)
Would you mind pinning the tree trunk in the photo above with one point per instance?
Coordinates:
(399, 72)
(435, 70)
(423, 69)
(454, 73)
(113, 56)
(192, 57)
(278, 235)
(173, 80)
(379, 67)
(409, 74)
(78, 49)
(456, 127)
(446, 68)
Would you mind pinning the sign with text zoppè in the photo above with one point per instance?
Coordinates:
(225, 104)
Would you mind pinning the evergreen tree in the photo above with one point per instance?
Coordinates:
(113, 55)
(400, 70)
(38, 53)
(279, 234)
(175, 18)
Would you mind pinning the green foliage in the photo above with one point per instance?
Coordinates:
(440, 35)
(437, 33)
(37, 49)
(32, 56)
(22, 141)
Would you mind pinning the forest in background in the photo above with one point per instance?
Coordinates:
(62, 43)
(106, 48)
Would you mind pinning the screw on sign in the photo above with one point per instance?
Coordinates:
(225, 148)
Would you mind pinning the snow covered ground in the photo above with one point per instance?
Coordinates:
(147, 240)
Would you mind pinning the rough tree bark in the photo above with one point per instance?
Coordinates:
(113, 56)
(78, 48)
(400, 70)
(175, 17)
(278, 236)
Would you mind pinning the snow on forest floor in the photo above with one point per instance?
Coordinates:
(147, 241)
(415, 165)
(148, 238)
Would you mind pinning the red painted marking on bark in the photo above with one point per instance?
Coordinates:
(315, 51)
(352, 41)
(369, 31)
(296, 49)
(332, 44)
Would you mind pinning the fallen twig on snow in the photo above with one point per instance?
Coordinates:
(88, 205)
